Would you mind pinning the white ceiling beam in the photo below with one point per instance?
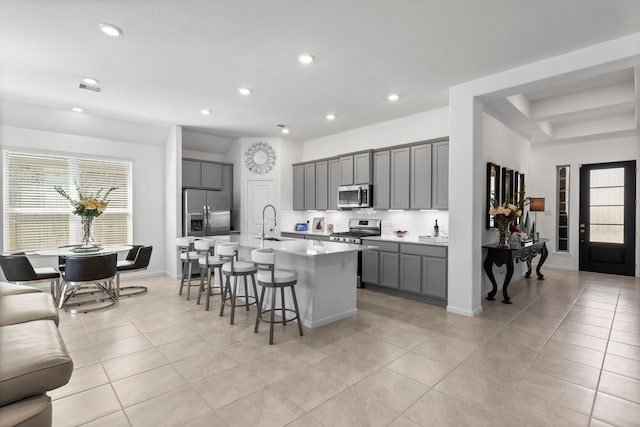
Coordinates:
(596, 126)
(521, 102)
(612, 97)
(504, 110)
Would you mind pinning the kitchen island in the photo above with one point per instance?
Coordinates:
(327, 274)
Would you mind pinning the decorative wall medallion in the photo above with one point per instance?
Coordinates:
(260, 158)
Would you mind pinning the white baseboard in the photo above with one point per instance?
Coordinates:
(463, 312)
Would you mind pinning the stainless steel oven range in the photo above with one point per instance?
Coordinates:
(358, 229)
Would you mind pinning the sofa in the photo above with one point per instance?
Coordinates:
(33, 357)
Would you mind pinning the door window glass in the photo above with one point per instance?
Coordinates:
(606, 210)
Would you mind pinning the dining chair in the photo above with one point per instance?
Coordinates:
(18, 269)
(137, 259)
(80, 271)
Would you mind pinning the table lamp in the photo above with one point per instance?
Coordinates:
(536, 204)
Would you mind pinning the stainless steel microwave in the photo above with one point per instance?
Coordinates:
(355, 196)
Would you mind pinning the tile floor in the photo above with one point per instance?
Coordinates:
(565, 353)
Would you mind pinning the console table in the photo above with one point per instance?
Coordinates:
(509, 256)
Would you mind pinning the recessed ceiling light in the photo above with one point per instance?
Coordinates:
(110, 30)
(305, 58)
(331, 117)
(285, 131)
(244, 91)
(393, 97)
(90, 81)
(77, 109)
(205, 112)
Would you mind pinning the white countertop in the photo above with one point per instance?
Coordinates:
(407, 239)
(302, 247)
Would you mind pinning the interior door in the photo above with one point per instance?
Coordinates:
(259, 194)
(608, 217)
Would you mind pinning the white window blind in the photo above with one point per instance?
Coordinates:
(35, 216)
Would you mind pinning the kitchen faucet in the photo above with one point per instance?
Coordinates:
(274, 220)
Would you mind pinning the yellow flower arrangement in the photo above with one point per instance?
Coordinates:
(509, 211)
(88, 204)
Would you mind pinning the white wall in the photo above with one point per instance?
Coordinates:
(417, 127)
(173, 199)
(545, 158)
(148, 182)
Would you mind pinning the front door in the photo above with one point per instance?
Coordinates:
(608, 217)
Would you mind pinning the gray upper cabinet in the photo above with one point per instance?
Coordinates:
(334, 183)
(421, 177)
(211, 176)
(191, 174)
(399, 197)
(381, 179)
(322, 183)
(346, 170)
(298, 187)
(310, 186)
(440, 176)
(362, 168)
(227, 183)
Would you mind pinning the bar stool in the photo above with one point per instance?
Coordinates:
(228, 252)
(187, 256)
(269, 277)
(208, 263)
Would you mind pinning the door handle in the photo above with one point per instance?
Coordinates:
(360, 196)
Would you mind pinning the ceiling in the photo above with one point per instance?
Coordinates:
(175, 58)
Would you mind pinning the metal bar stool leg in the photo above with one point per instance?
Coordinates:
(201, 287)
(227, 288)
(295, 304)
(233, 298)
(284, 316)
(260, 308)
(184, 272)
(209, 274)
(246, 293)
(273, 312)
(189, 282)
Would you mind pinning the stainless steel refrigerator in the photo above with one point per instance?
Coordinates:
(206, 213)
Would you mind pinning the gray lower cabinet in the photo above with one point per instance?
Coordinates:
(381, 179)
(440, 176)
(434, 277)
(388, 269)
(322, 183)
(362, 168)
(190, 174)
(310, 186)
(421, 177)
(298, 187)
(400, 178)
(334, 183)
(370, 267)
(410, 272)
(211, 176)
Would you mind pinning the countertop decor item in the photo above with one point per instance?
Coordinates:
(260, 158)
(506, 213)
(318, 224)
(87, 206)
(400, 233)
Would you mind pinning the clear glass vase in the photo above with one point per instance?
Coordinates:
(503, 239)
(87, 230)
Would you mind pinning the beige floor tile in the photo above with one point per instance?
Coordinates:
(630, 327)
(438, 409)
(210, 419)
(567, 370)
(84, 357)
(618, 412)
(305, 421)
(102, 324)
(117, 419)
(563, 393)
(352, 407)
(204, 365)
(625, 337)
(227, 386)
(78, 341)
(143, 386)
(499, 370)
(632, 318)
(589, 320)
(424, 370)
(243, 351)
(309, 388)
(574, 353)
(310, 349)
(522, 409)
(597, 305)
(121, 347)
(581, 340)
(620, 386)
(589, 311)
(622, 366)
(81, 379)
(445, 350)
(167, 335)
(403, 421)
(347, 367)
(171, 409)
(86, 406)
(530, 328)
(397, 391)
(113, 334)
(597, 423)
(583, 328)
(474, 390)
(135, 363)
(265, 407)
(184, 348)
(274, 366)
(404, 338)
(512, 336)
(624, 350)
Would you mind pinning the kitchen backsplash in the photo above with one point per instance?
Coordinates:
(418, 223)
